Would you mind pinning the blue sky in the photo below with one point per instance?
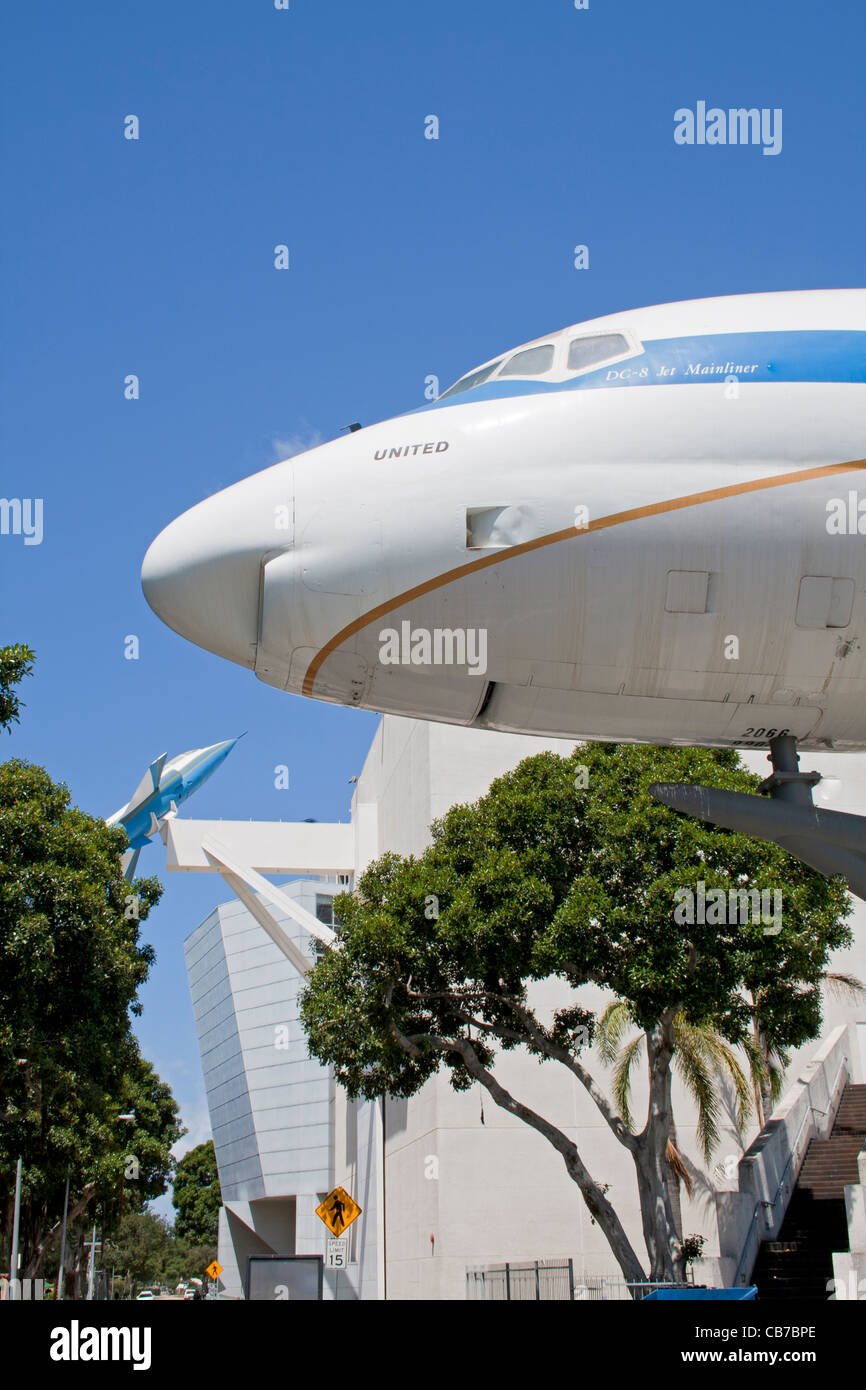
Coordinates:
(409, 257)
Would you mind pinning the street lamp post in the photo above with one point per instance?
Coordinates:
(63, 1239)
(16, 1222)
(91, 1266)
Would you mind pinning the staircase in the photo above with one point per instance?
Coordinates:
(798, 1264)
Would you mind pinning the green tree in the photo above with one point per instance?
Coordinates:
(71, 964)
(123, 1156)
(143, 1249)
(16, 662)
(140, 1249)
(196, 1195)
(188, 1260)
(569, 868)
(785, 1008)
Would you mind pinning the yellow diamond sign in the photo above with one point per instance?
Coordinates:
(214, 1270)
(338, 1211)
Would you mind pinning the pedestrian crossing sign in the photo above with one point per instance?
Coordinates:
(338, 1211)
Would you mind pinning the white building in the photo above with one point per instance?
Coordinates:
(272, 1107)
(463, 1184)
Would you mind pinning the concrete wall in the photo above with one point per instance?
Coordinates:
(496, 1190)
(849, 1266)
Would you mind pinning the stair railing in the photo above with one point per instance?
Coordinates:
(767, 1207)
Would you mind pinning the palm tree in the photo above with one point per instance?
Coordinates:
(767, 1061)
(701, 1056)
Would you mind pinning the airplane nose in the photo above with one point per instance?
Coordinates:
(202, 580)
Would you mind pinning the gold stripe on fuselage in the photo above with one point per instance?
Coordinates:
(603, 523)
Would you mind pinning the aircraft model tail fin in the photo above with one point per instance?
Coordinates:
(146, 787)
(129, 863)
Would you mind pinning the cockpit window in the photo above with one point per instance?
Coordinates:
(473, 379)
(531, 362)
(552, 360)
(591, 352)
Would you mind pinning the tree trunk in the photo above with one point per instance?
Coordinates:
(601, 1211)
(78, 1283)
(765, 1101)
(599, 1207)
(674, 1191)
(658, 1215)
(40, 1245)
(597, 1204)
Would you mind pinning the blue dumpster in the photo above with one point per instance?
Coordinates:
(717, 1295)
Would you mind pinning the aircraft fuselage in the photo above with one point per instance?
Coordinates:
(660, 546)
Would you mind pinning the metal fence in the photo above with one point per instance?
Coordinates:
(538, 1280)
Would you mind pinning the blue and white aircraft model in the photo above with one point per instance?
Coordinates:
(163, 788)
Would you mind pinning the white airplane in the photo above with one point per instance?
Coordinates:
(647, 527)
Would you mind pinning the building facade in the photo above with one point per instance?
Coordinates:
(447, 1181)
(272, 1107)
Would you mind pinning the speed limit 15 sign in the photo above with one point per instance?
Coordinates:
(337, 1253)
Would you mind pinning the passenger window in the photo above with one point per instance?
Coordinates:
(473, 379)
(531, 362)
(591, 352)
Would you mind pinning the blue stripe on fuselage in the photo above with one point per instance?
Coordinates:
(796, 355)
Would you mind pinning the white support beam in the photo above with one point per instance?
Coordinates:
(272, 847)
(250, 887)
(271, 925)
